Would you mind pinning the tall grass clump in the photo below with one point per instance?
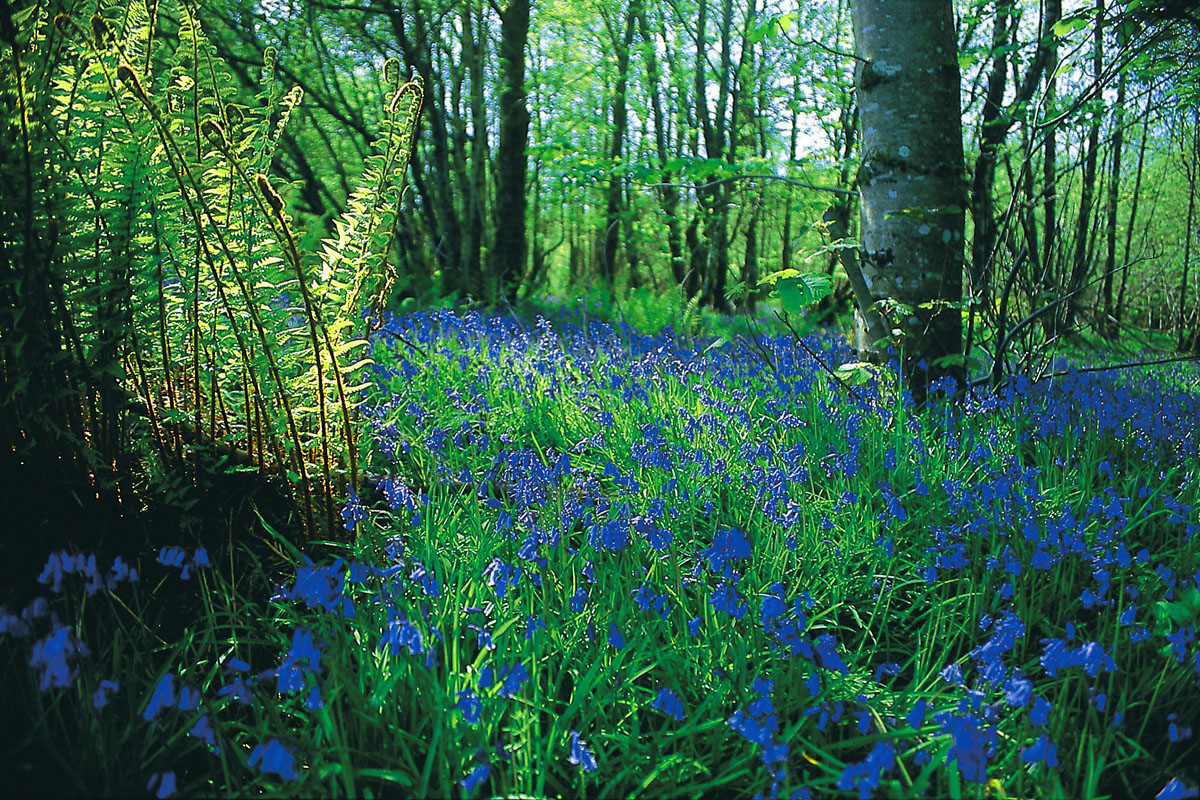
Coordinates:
(593, 562)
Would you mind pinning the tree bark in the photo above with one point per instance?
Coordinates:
(475, 198)
(614, 207)
(1080, 264)
(511, 246)
(1108, 326)
(912, 179)
(668, 195)
(1133, 206)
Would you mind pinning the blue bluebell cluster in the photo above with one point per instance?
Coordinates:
(653, 504)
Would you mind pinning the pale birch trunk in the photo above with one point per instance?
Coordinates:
(912, 177)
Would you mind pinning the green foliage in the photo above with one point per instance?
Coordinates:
(182, 280)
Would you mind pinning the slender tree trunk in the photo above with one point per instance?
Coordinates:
(1080, 266)
(668, 195)
(1108, 326)
(1048, 279)
(511, 246)
(912, 161)
(1191, 164)
(992, 133)
(1133, 207)
(475, 197)
(785, 254)
(447, 233)
(620, 119)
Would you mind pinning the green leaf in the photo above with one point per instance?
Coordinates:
(856, 373)
(803, 290)
(1065, 27)
(724, 340)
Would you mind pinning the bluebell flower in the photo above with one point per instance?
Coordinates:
(92, 573)
(513, 678)
(122, 572)
(615, 639)
(580, 754)
(773, 606)
(916, 717)
(162, 784)
(53, 572)
(322, 587)
(693, 626)
(100, 698)
(189, 698)
(200, 559)
(968, 747)
(163, 697)
(203, 730)
(1175, 731)
(774, 752)
(290, 676)
(533, 625)
(725, 599)
(728, 547)
(865, 776)
(238, 690)
(53, 656)
(952, 674)
(578, 600)
(1018, 690)
(12, 624)
(761, 707)
(1180, 639)
(402, 633)
(760, 732)
(1177, 790)
(38, 608)
(1039, 714)
(314, 700)
(469, 705)
(668, 703)
(476, 777)
(825, 647)
(174, 557)
(889, 668)
(272, 756)
(1041, 750)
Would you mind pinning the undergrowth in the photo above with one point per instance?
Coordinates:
(595, 562)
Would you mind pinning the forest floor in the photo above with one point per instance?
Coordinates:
(596, 562)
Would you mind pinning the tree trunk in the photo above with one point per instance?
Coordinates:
(614, 207)
(1133, 207)
(510, 245)
(668, 195)
(1108, 326)
(1049, 274)
(1080, 265)
(475, 196)
(912, 179)
(447, 235)
(1191, 167)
